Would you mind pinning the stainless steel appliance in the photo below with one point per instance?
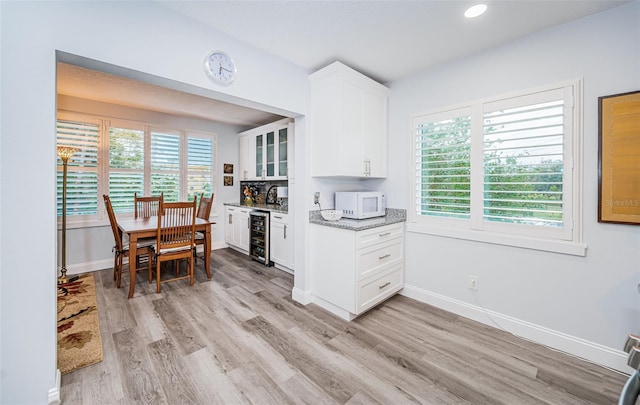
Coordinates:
(259, 236)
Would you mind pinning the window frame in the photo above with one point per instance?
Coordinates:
(567, 241)
(103, 169)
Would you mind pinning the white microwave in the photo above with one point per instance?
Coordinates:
(361, 204)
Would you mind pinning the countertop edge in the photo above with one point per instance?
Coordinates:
(258, 207)
(393, 216)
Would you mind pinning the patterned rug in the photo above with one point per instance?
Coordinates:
(79, 340)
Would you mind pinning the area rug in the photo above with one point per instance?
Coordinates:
(79, 340)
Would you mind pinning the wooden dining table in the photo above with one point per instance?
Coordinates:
(138, 228)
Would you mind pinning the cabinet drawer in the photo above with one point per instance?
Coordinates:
(372, 292)
(279, 218)
(379, 257)
(381, 234)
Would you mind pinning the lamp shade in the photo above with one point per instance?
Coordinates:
(65, 152)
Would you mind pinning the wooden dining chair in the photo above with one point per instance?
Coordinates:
(204, 211)
(175, 238)
(145, 207)
(144, 247)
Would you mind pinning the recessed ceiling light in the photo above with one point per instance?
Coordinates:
(475, 11)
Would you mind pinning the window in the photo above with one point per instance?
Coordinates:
(443, 160)
(502, 170)
(165, 165)
(121, 158)
(126, 166)
(82, 168)
(199, 167)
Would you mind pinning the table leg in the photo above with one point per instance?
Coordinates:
(207, 250)
(133, 244)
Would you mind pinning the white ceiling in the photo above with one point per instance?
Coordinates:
(94, 85)
(385, 39)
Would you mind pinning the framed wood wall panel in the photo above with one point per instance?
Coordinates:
(619, 158)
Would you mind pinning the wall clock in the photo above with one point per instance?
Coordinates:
(220, 68)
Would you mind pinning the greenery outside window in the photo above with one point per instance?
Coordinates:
(504, 170)
(126, 166)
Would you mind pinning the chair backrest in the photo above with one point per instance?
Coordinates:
(176, 225)
(204, 209)
(114, 224)
(145, 207)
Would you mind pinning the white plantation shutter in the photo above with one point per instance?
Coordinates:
(443, 178)
(199, 167)
(126, 167)
(120, 158)
(523, 160)
(165, 165)
(82, 168)
(502, 170)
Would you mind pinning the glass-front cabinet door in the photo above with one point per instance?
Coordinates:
(271, 152)
(264, 151)
(259, 156)
(282, 152)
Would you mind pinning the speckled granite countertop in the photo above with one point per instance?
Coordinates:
(261, 207)
(393, 217)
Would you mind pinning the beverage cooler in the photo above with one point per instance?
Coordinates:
(259, 236)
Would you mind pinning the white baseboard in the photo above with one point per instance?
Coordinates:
(86, 267)
(590, 351)
(54, 393)
(342, 313)
(301, 296)
(283, 268)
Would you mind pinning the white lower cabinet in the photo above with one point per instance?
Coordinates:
(281, 239)
(236, 227)
(352, 271)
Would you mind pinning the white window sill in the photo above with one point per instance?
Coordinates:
(547, 245)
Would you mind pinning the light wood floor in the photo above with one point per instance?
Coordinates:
(240, 339)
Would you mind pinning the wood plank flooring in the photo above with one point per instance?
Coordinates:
(240, 339)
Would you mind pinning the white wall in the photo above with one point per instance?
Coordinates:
(89, 248)
(584, 305)
(141, 36)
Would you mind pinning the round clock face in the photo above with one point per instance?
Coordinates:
(220, 68)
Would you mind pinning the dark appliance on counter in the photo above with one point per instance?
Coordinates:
(259, 237)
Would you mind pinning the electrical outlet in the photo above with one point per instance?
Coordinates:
(316, 197)
(473, 283)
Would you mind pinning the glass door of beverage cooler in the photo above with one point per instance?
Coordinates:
(259, 236)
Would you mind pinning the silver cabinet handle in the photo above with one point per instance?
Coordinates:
(230, 219)
(277, 217)
(382, 235)
(381, 286)
(384, 256)
(285, 232)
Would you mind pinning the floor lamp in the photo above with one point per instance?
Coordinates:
(65, 153)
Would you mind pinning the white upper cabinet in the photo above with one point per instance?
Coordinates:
(348, 124)
(265, 151)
